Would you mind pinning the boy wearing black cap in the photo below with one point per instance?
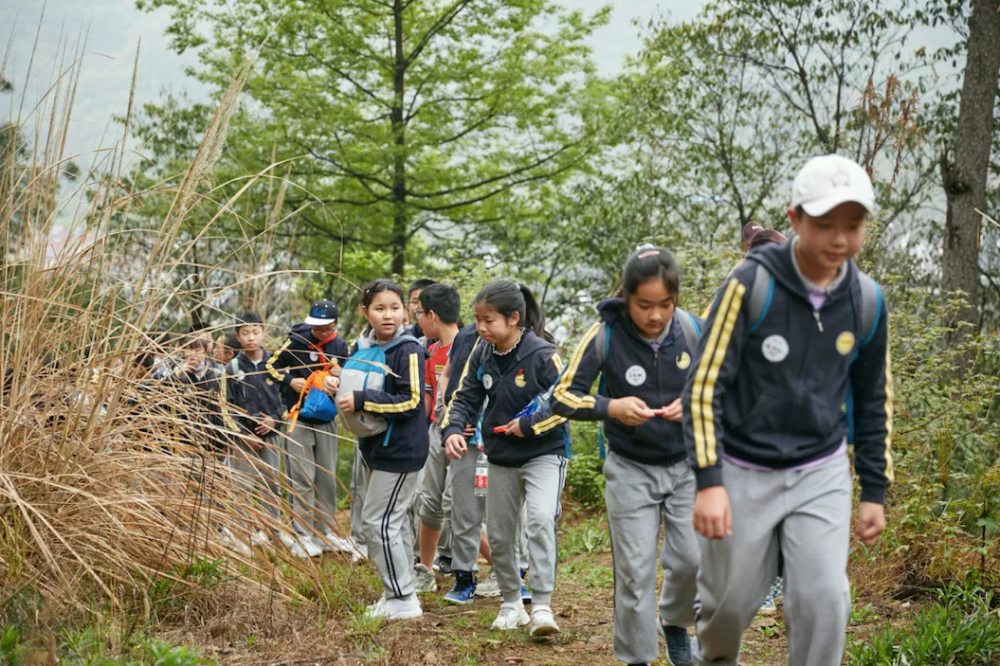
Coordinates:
(312, 445)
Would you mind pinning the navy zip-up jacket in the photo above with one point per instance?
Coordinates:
(402, 449)
(295, 358)
(252, 390)
(631, 368)
(535, 368)
(461, 349)
(776, 392)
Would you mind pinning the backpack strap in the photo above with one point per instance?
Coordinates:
(760, 296)
(400, 340)
(871, 307)
(234, 366)
(689, 328)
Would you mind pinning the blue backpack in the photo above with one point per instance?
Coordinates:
(366, 369)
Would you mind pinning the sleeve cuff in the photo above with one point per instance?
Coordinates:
(874, 494)
(359, 401)
(708, 477)
(525, 423)
(601, 404)
(449, 431)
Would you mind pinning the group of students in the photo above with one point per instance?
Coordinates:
(729, 431)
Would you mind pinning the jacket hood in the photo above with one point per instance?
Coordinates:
(777, 259)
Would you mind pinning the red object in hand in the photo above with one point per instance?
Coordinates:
(660, 412)
(500, 430)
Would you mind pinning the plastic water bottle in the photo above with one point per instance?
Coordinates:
(482, 471)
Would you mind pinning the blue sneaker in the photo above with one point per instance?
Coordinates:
(464, 592)
(525, 595)
(678, 644)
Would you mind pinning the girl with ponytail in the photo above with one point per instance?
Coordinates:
(515, 362)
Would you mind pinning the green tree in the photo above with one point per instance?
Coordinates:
(419, 117)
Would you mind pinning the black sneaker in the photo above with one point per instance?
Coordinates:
(678, 644)
(443, 565)
(464, 592)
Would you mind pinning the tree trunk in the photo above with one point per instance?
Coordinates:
(399, 226)
(965, 171)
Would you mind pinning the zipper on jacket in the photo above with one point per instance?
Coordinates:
(819, 322)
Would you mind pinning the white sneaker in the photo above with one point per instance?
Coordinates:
(377, 609)
(331, 543)
(260, 539)
(489, 587)
(357, 551)
(423, 579)
(403, 609)
(312, 548)
(293, 545)
(230, 541)
(510, 617)
(542, 622)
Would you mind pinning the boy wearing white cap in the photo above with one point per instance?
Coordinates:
(769, 410)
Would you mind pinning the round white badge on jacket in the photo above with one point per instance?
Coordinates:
(775, 348)
(636, 375)
(488, 381)
(313, 356)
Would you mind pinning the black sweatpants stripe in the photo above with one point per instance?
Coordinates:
(386, 549)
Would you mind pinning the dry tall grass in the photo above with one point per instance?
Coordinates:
(109, 483)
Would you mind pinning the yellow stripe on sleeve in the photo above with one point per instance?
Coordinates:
(562, 393)
(275, 375)
(415, 393)
(224, 404)
(461, 381)
(543, 427)
(701, 411)
(732, 314)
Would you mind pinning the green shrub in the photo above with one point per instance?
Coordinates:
(961, 629)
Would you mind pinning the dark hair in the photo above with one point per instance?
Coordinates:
(231, 341)
(647, 263)
(767, 237)
(378, 286)
(422, 283)
(248, 319)
(507, 298)
(442, 300)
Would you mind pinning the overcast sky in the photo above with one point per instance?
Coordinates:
(116, 27)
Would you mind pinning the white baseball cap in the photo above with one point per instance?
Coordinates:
(825, 182)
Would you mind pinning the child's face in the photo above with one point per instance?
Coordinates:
(323, 332)
(493, 327)
(651, 307)
(250, 336)
(413, 304)
(385, 314)
(827, 241)
(221, 352)
(429, 324)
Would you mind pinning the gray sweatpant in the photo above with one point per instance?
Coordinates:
(638, 497)
(435, 492)
(807, 515)
(261, 471)
(359, 487)
(537, 485)
(312, 469)
(387, 529)
(467, 511)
